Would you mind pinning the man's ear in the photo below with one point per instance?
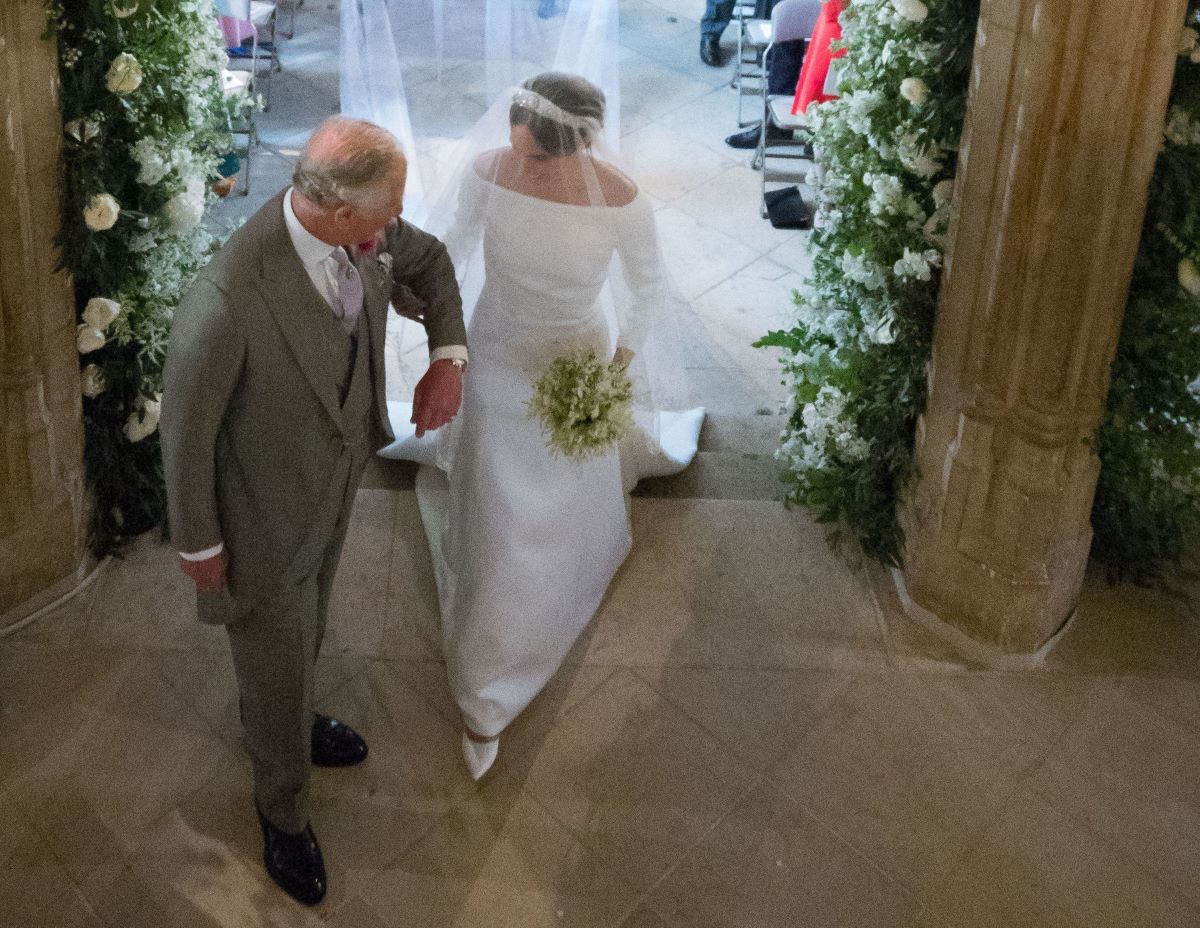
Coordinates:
(343, 213)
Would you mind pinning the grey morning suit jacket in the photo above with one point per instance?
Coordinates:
(255, 450)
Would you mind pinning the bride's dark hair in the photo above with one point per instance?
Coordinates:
(570, 92)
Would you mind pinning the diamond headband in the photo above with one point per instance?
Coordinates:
(534, 101)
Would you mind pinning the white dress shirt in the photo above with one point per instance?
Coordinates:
(321, 266)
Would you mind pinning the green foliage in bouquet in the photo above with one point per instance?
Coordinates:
(1146, 513)
(855, 358)
(145, 125)
(585, 405)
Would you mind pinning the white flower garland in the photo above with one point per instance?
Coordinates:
(145, 125)
(863, 321)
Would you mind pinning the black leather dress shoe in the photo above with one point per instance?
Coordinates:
(294, 862)
(749, 137)
(710, 50)
(335, 744)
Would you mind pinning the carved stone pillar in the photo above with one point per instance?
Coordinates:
(1065, 118)
(42, 500)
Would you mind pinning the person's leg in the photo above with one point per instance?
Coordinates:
(717, 15)
(783, 66)
(783, 70)
(272, 656)
(334, 744)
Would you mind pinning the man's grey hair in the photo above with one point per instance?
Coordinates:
(348, 161)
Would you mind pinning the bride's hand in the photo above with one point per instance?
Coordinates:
(623, 356)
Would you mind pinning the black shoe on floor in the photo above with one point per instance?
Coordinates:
(335, 744)
(749, 137)
(710, 50)
(294, 862)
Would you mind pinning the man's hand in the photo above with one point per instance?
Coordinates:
(209, 574)
(437, 397)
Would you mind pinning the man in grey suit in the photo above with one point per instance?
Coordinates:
(273, 402)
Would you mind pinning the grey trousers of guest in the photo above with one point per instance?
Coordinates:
(275, 649)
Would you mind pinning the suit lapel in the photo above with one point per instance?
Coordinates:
(299, 310)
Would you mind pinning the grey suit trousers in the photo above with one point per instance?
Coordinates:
(275, 647)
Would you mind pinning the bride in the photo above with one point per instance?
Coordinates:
(563, 250)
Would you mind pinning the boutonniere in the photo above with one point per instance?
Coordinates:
(383, 257)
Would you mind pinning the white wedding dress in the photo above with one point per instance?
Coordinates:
(525, 543)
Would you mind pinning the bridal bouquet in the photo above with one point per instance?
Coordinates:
(585, 405)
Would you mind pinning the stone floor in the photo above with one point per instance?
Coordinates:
(747, 736)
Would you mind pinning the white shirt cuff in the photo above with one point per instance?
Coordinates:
(449, 352)
(203, 555)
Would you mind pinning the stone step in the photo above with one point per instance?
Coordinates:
(741, 434)
(719, 475)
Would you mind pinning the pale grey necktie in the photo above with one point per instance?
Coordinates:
(349, 297)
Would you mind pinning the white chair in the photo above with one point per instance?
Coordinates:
(263, 18)
(791, 21)
(753, 36)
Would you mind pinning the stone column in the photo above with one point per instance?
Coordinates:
(1065, 117)
(42, 500)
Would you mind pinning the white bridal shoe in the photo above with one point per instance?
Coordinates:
(479, 755)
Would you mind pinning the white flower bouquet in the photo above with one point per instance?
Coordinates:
(585, 405)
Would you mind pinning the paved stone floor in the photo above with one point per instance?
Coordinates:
(747, 736)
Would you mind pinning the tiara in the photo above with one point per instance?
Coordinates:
(535, 102)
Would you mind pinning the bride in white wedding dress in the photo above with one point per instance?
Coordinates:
(564, 252)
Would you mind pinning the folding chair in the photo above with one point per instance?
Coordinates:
(255, 16)
(791, 21)
(753, 36)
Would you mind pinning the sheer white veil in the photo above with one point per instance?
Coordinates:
(550, 137)
(427, 69)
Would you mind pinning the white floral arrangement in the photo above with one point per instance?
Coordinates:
(584, 404)
(883, 182)
(144, 127)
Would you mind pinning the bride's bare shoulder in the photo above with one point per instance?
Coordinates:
(618, 188)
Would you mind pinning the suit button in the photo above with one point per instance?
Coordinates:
(345, 447)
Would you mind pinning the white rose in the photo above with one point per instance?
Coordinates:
(123, 9)
(1187, 40)
(144, 421)
(101, 212)
(124, 74)
(185, 210)
(88, 339)
(100, 312)
(914, 90)
(1189, 277)
(885, 332)
(92, 381)
(913, 10)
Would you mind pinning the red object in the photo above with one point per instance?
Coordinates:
(367, 247)
(810, 88)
